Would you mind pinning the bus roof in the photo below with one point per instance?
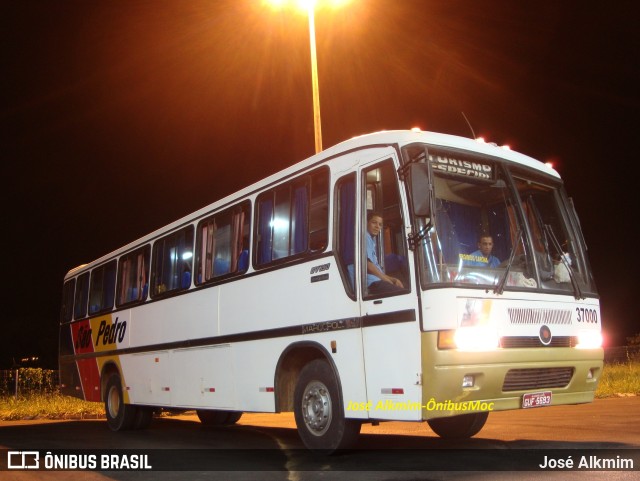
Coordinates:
(404, 137)
(398, 138)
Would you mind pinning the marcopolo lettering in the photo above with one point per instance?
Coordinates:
(111, 332)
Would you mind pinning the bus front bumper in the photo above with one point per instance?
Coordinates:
(456, 382)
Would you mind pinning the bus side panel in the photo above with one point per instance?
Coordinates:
(349, 362)
(255, 363)
(281, 298)
(203, 377)
(147, 378)
(304, 302)
(394, 371)
(84, 338)
(190, 316)
(255, 380)
(70, 384)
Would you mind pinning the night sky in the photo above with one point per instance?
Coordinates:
(118, 117)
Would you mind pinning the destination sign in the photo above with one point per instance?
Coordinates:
(465, 168)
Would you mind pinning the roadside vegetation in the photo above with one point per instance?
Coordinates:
(39, 398)
(620, 379)
(48, 406)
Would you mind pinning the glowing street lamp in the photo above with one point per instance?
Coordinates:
(309, 6)
(317, 124)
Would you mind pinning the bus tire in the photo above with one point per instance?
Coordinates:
(459, 427)
(212, 417)
(120, 416)
(143, 417)
(319, 410)
(234, 417)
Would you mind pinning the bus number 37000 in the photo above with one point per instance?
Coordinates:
(587, 315)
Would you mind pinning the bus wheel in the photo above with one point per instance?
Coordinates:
(213, 417)
(319, 411)
(120, 416)
(143, 418)
(459, 427)
(234, 417)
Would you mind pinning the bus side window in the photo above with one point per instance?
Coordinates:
(223, 244)
(292, 219)
(81, 298)
(172, 262)
(133, 276)
(66, 312)
(346, 229)
(103, 288)
(319, 211)
(264, 221)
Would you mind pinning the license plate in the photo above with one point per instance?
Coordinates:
(536, 399)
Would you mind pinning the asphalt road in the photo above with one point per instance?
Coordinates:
(266, 446)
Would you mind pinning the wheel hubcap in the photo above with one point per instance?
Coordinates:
(113, 402)
(316, 408)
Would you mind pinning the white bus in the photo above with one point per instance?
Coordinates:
(265, 300)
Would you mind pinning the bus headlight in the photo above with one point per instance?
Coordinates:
(476, 331)
(476, 338)
(589, 340)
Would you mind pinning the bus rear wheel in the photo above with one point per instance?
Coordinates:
(143, 418)
(459, 427)
(319, 410)
(120, 416)
(218, 418)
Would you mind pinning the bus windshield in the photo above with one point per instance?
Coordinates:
(498, 229)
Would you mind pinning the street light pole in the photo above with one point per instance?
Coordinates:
(310, 6)
(317, 127)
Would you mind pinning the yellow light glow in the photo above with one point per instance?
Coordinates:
(477, 338)
(275, 4)
(337, 3)
(306, 5)
(589, 340)
(446, 339)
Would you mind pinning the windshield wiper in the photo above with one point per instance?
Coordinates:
(577, 293)
(543, 262)
(503, 280)
(415, 238)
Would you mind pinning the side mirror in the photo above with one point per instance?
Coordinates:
(420, 189)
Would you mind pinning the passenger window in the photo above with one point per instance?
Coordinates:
(292, 219)
(223, 244)
(103, 288)
(172, 262)
(133, 276)
(346, 229)
(66, 311)
(81, 298)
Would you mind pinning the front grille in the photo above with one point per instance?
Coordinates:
(542, 378)
(539, 316)
(534, 341)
